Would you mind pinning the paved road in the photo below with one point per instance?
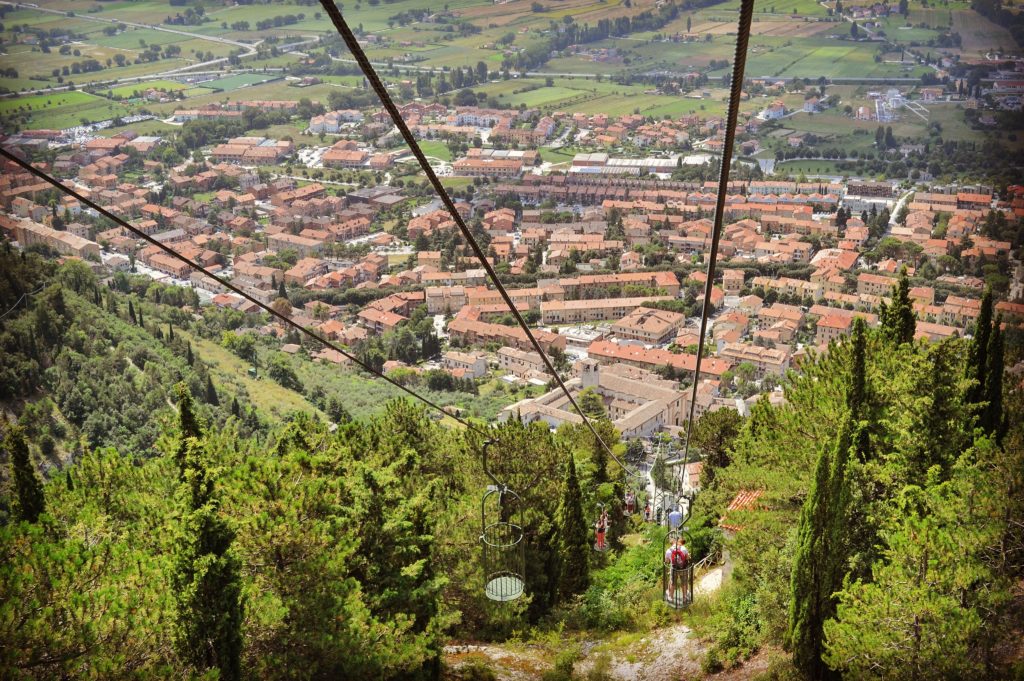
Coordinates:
(896, 209)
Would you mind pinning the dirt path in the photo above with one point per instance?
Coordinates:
(667, 654)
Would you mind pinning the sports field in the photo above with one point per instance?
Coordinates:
(241, 80)
(139, 88)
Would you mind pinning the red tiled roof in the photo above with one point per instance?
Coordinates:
(745, 500)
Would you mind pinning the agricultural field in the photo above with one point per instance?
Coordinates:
(979, 35)
(62, 110)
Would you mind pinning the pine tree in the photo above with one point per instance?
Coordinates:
(992, 417)
(977, 361)
(573, 536)
(31, 501)
(206, 579)
(897, 319)
(211, 392)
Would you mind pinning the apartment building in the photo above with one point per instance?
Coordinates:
(470, 364)
(638, 403)
(765, 360)
(874, 284)
(595, 310)
(29, 233)
(648, 325)
(608, 352)
(520, 363)
(732, 282)
(488, 167)
(580, 287)
(304, 246)
(470, 332)
(445, 299)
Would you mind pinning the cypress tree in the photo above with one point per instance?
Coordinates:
(31, 501)
(856, 396)
(211, 392)
(131, 311)
(170, 332)
(206, 579)
(140, 316)
(992, 417)
(898, 321)
(282, 292)
(858, 386)
(573, 536)
(236, 411)
(821, 556)
(977, 362)
(189, 357)
(187, 422)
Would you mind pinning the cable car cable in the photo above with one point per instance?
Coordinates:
(23, 297)
(736, 89)
(378, 86)
(231, 287)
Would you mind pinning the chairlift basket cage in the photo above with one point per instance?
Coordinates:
(501, 534)
(504, 559)
(676, 581)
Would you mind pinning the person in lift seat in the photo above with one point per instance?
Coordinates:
(676, 558)
(602, 528)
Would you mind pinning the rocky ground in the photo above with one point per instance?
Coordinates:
(666, 654)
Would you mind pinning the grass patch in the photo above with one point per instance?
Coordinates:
(266, 395)
(140, 88)
(62, 110)
(436, 148)
(241, 80)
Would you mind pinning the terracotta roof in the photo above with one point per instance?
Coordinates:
(745, 500)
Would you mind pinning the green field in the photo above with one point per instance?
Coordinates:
(557, 155)
(141, 87)
(437, 149)
(241, 80)
(40, 102)
(62, 110)
(795, 168)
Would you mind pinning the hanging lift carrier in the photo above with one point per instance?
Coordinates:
(501, 520)
(676, 579)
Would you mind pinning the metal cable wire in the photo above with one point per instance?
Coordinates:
(231, 287)
(735, 90)
(23, 297)
(385, 98)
